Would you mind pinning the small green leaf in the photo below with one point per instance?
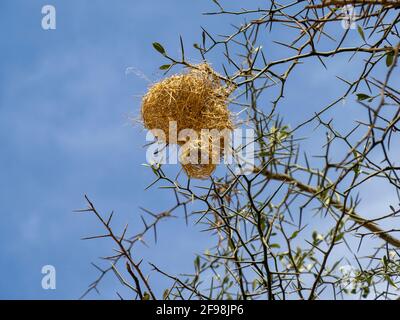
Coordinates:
(389, 58)
(262, 223)
(339, 237)
(159, 48)
(165, 294)
(197, 263)
(362, 96)
(317, 237)
(165, 67)
(390, 281)
(356, 154)
(314, 235)
(146, 296)
(385, 261)
(361, 32)
(365, 292)
(294, 235)
(255, 284)
(357, 169)
(275, 245)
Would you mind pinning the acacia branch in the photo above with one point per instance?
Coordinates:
(371, 226)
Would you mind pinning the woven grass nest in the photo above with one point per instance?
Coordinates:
(196, 99)
(199, 158)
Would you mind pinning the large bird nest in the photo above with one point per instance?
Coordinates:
(196, 99)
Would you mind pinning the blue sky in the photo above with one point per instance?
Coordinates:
(66, 104)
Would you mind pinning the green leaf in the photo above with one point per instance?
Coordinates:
(356, 154)
(390, 281)
(275, 245)
(165, 294)
(361, 32)
(146, 296)
(389, 58)
(262, 223)
(339, 237)
(385, 261)
(357, 169)
(317, 237)
(197, 263)
(255, 284)
(362, 96)
(314, 235)
(159, 48)
(165, 67)
(365, 292)
(294, 235)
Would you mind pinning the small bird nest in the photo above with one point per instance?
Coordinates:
(199, 171)
(199, 157)
(196, 99)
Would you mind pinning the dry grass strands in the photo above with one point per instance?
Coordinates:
(199, 171)
(199, 158)
(196, 100)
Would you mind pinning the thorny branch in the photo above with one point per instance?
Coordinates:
(286, 230)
